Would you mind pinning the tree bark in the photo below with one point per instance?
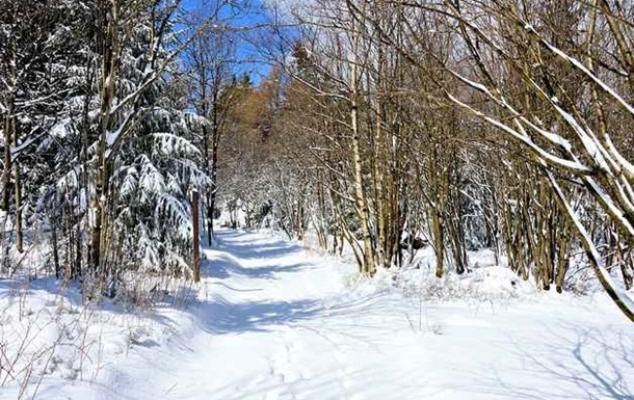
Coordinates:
(17, 192)
(196, 236)
(368, 267)
(6, 171)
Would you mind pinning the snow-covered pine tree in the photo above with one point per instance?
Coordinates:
(41, 63)
(141, 163)
(95, 126)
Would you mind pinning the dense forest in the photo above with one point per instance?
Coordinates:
(384, 126)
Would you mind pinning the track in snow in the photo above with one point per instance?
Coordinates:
(275, 322)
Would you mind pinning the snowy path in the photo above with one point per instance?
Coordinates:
(276, 322)
(277, 325)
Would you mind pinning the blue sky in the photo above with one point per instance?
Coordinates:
(250, 61)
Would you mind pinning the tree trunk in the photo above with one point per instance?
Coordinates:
(368, 267)
(196, 236)
(209, 209)
(108, 88)
(55, 250)
(439, 242)
(379, 165)
(6, 171)
(17, 190)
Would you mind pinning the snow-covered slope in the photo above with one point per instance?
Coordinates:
(273, 321)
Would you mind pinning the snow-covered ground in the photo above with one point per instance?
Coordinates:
(274, 321)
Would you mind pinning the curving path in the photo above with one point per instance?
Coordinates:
(276, 322)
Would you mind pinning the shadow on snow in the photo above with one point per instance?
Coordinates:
(221, 316)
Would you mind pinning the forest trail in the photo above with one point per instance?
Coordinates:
(274, 322)
(277, 322)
